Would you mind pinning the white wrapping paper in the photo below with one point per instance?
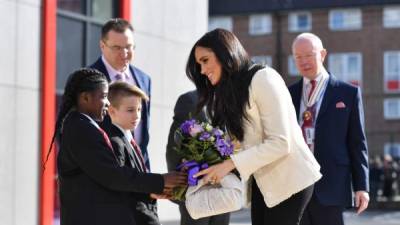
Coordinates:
(206, 200)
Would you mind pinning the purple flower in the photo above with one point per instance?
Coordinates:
(186, 126)
(195, 129)
(217, 132)
(225, 148)
(204, 136)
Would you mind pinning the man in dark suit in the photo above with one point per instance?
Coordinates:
(331, 116)
(185, 108)
(117, 46)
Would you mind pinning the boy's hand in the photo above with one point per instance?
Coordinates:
(160, 196)
(167, 194)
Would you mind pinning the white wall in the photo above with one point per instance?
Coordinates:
(165, 31)
(19, 123)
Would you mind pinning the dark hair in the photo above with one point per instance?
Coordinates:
(119, 89)
(226, 101)
(116, 24)
(82, 80)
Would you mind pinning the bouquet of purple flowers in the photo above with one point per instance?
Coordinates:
(201, 145)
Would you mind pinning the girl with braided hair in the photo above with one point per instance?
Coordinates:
(94, 188)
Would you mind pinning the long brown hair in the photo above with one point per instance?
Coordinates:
(226, 101)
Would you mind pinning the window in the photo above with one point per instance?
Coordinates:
(78, 34)
(262, 59)
(299, 21)
(391, 16)
(345, 19)
(292, 69)
(346, 66)
(224, 22)
(392, 149)
(391, 108)
(260, 24)
(392, 71)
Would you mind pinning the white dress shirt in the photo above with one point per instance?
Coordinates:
(322, 77)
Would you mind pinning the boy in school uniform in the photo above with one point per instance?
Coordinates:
(125, 111)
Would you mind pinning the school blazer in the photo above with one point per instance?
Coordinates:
(145, 211)
(93, 188)
(273, 150)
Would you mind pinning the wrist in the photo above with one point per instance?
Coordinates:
(229, 164)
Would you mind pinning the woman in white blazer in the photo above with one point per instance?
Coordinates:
(253, 104)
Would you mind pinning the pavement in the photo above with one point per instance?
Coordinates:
(372, 217)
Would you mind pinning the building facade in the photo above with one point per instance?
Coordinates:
(361, 38)
(43, 42)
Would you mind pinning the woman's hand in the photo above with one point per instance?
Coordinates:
(215, 173)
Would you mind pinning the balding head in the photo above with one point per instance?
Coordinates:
(309, 55)
(309, 37)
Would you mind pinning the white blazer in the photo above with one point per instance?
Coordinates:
(273, 149)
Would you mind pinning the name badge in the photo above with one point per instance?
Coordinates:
(309, 133)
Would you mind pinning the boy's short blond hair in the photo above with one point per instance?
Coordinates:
(118, 90)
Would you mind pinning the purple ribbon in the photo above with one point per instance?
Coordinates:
(193, 167)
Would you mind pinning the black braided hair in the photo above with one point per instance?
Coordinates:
(82, 80)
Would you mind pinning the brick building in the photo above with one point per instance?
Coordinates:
(362, 39)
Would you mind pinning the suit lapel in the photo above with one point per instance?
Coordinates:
(133, 158)
(137, 79)
(328, 96)
(99, 65)
(127, 150)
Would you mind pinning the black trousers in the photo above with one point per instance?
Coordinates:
(318, 214)
(288, 212)
(222, 219)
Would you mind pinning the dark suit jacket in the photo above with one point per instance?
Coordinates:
(144, 83)
(145, 208)
(94, 188)
(340, 143)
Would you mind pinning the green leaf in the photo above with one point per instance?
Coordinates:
(178, 193)
(211, 156)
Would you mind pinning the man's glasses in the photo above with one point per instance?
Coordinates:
(117, 48)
